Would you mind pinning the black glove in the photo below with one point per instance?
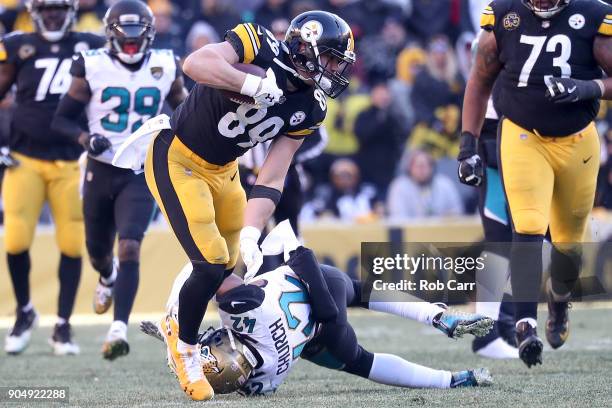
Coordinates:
(96, 144)
(569, 90)
(470, 164)
(6, 159)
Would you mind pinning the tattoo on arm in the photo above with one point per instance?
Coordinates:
(487, 65)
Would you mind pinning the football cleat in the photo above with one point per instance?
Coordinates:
(61, 340)
(478, 377)
(151, 329)
(557, 325)
(103, 295)
(184, 361)
(18, 338)
(455, 324)
(496, 349)
(529, 344)
(116, 345)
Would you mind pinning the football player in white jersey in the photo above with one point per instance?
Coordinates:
(119, 87)
(268, 324)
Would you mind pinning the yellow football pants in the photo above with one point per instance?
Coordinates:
(549, 182)
(203, 203)
(24, 191)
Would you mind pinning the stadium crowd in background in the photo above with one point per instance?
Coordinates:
(405, 95)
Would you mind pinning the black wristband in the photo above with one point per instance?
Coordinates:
(261, 191)
(467, 145)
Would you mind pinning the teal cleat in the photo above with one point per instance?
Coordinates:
(478, 377)
(455, 324)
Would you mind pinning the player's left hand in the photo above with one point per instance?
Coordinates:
(570, 90)
(470, 169)
(6, 159)
(250, 252)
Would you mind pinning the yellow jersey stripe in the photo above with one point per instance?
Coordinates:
(254, 31)
(487, 20)
(247, 44)
(605, 29)
(608, 15)
(252, 36)
(300, 132)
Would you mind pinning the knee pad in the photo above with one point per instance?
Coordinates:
(70, 237)
(529, 222)
(102, 263)
(129, 250)
(214, 250)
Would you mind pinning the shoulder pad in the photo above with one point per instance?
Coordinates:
(241, 299)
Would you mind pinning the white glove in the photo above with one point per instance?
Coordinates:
(281, 240)
(250, 252)
(267, 93)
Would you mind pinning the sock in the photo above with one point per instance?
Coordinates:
(532, 322)
(19, 269)
(118, 329)
(69, 277)
(61, 320)
(393, 370)
(194, 296)
(110, 278)
(526, 274)
(27, 307)
(125, 288)
(490, 284)
(423, 312)
(564, 271)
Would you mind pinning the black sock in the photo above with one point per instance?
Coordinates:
(125, 288)
(194, 296)
(526, 274)
(69, 277)
(19, 269)
(564, 270)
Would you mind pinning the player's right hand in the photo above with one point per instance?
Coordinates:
(268, 93)
(470, 165)
(6, 159)
(97, 144)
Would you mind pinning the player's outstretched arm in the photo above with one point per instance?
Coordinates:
(602, 50)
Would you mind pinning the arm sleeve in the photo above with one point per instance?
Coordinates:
(254, 44)
(65, 120)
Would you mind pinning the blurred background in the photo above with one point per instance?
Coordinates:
(383, 166)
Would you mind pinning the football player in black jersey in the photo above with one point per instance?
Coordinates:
(548, 57)
(192, 168)
(42, 165)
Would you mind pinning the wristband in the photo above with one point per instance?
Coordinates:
(467, 145)
(261, 191)
(599, 83)
(250, 85)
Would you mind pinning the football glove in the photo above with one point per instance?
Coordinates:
(267, 92)
(250, 252)
(96, 144)
(470, 169)
(570, 90)
(6, 159)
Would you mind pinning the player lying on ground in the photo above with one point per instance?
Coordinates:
(267, 325)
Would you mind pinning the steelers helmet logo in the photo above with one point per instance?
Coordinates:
(311, 31)
(297, 118)
(576, 21)
(511, 21)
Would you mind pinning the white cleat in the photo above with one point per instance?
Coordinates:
(61, 341)
(19, 337)
(116, 345)
(103, 295)
(498, 349)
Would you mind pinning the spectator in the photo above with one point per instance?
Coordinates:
(379, 52)
(345, 198)
(408, 64)
(420, 192)
(167, 32)
(220, 14)
(381, 138)
(436, 98)
(89, 16)
(429, 18)
(270, 11)
(200, 34)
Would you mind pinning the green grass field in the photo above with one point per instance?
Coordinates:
(575, 376)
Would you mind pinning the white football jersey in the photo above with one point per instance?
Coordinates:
(122, 100)
(280, 325)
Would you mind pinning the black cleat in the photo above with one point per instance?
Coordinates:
(19, 337)
(530, 346)
(112, 349)
(557, 325)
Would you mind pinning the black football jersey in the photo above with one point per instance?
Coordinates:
(42, 77)
(532, 50)
(219, 130)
